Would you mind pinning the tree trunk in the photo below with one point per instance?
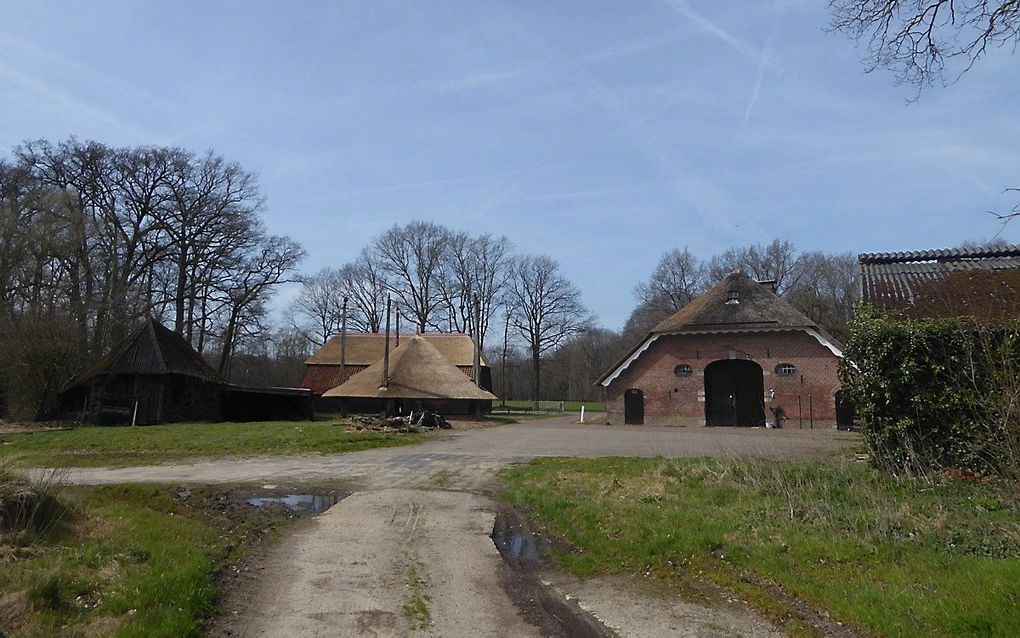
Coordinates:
(228, 343)
(537, 370)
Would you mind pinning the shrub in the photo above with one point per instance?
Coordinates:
(27, 505)
(936, 393)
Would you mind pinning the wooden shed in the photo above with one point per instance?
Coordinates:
(154, 376)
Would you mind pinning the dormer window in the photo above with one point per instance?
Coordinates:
(733, 296)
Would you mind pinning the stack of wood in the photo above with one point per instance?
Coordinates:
(414, 422)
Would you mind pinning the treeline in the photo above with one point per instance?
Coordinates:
(96, 237)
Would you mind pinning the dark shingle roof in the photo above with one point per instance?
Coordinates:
(156, 350)
(982, 283)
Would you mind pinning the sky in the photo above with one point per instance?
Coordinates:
(599, 133)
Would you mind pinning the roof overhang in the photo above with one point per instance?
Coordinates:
(827, 342)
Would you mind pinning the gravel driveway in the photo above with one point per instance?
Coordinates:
(471, 455)
(409, 553)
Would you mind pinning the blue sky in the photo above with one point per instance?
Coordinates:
(600, 133)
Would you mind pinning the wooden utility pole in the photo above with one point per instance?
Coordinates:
(477, 364)
(386, 350)
(343, 339)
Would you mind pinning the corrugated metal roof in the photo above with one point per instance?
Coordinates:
(155, 349)
(950, 254)
(943, 282)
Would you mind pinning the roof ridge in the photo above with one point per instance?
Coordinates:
(1009, 250)
(151, 324)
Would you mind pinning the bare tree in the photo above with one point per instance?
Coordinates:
(410, 258)
(776, 261)
(918, 39)
(828, 291)
(678, 278)
(214, 203)
(924, 41)
(317, 311)
(363, 283)
(545, 308)
(273, 259)
(476, 268)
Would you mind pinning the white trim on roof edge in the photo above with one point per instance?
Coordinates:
(825, 342)
(629, 360)
(833, 348)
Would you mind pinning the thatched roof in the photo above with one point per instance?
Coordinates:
(755, 306)
(417, 370)
(736, 304)
(365, 349)
(154, 349)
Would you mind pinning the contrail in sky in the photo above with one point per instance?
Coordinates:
(766, 57)
(741, 46)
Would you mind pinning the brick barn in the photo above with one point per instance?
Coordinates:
(737, 355)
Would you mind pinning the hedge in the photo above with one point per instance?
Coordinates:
(935, 393)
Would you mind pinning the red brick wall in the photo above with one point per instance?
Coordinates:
(676, 400)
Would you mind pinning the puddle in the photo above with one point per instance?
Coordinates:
(304, 503)
(516, 542)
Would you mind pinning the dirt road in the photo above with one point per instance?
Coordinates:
(409, 552)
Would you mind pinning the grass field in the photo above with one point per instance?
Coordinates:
(125, 561)
(121, 446)
(885, 556)
(551, 406)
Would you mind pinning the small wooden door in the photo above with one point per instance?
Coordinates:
(634, 407)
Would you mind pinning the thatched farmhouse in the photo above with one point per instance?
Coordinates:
(155, 376)
(411, 377)
(737, 355)
(324, 370)
(980, 283)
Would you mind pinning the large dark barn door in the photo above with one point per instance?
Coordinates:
(734, 393)
(633, 407)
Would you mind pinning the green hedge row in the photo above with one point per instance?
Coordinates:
(935, 393)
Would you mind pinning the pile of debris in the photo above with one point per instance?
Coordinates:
(413, 422)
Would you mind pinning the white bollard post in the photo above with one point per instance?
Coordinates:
(582, 414)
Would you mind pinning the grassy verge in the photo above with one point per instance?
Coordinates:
(885, 556)
(124, 561)
(551, 406)
(90, 446)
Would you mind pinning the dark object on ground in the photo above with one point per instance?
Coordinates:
(430, 419)
(778, 416)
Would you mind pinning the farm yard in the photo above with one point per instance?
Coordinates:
(510, 319)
